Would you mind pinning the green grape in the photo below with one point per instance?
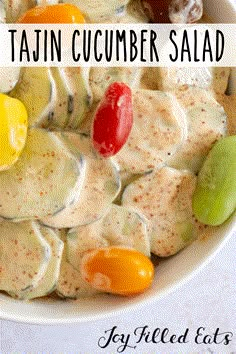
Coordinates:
(214, 199)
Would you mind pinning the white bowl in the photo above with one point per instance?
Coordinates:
(171, 273)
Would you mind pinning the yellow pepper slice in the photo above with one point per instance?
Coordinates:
(13, 130)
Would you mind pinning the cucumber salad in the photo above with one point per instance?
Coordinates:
(103, 170)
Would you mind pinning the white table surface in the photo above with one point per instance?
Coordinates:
(208, 300)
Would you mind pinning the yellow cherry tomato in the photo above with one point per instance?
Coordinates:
(13, 130)
(117, 270)
(60, 13)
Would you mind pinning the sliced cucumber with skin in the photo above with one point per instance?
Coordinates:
(46, 2)
(158, 131)
(164, 197)
(8, 78)
(37, 90)
(46, 178)
(72, 98)
(76, 82)
(98, 11)
(207, 123)
(16, 8)
(24, 257)
(55, 98)
(2, 12)
(120, 226)
(215, 79)
(80, 143)
(100, 188)
(101, 78)
(229, 104)
(70, 283)
(47, 283)
(59, 116)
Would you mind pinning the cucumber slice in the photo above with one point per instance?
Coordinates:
(8, 78)
(207, 78)
(164, 197)
(24, 257)
(70, 283)
(36, 89)
(54, 97)
(48, 282)
(76, 82)
(132, 13)
(101, 78)
(61, 106)
(206, 124)
(229, 104)
(16, 8)
(45, 179)
(100, 188)
(2, 12)
(159, 129)
(80, 143)
(48, 2)
(120, 226)
(98, 11)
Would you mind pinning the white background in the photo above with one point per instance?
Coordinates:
(208, 300)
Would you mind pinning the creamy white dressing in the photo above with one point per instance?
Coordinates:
(176, 121)
(16, 8)
(229, 104)
(164, 197)
(8, 78)
(185, 11)
(2, 12)
(99, 10)
(159, 129)
(215, 79)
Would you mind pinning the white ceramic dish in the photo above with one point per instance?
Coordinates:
(170, 274)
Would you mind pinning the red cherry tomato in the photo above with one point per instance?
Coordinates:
(113, 120)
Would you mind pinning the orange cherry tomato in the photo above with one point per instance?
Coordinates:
(60, 13)
(117, 270)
